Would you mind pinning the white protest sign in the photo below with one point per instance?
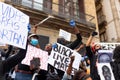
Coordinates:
(108, 46)
(105, 71)
(13, 26)
(60, 57)
(2, 44)
(66, 35)
(36, 53)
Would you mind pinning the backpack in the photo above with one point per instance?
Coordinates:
(116, 70)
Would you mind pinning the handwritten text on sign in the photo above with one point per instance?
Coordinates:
(13, 26)
(37, 53)
(108, 46)
(60, 57)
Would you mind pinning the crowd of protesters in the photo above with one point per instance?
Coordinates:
(11, 67)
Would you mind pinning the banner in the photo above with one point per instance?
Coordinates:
(108, 46)
(105, 71)
(13, 26)
(36, 53)
(60, 57)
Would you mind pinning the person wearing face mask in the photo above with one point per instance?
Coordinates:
(23, 72)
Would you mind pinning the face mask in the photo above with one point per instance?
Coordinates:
(34, 42)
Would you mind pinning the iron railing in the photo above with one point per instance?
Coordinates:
(101, 19)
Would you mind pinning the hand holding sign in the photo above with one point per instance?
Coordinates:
(54, 45)
(29, 27)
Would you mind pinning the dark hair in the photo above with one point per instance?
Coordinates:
(36, 62)
(116, 54)
(80, 75)
(61, 41)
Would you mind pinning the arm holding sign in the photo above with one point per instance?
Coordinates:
(67, 74)
(10, 62)
(92, 57)
(10, 47)
(35, 29)
(70, 65)
(78, 41)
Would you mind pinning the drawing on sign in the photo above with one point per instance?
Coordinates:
(105, 71)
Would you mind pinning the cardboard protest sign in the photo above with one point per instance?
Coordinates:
(36, 53)
(105, 72)
(66, 35)
(13, 26)
(60, 57)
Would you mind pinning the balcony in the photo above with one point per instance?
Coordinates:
(40, 9)
(102, 20)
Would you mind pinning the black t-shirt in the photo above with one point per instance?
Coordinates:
(93, 67)
(24, 67)
(116, 69)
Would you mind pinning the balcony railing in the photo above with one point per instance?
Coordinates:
(41, 6)
(101, 19)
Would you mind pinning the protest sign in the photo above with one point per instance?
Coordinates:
(60, 57)
(2, 44)
(66, 35)
(108, 46)
(36, 53)
(105, 56)
(105, 72)
(13, 26)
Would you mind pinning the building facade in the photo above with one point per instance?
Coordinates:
(82, 11)
(108, 14)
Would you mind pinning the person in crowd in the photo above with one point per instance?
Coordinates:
(83, 66)
(23, 72)
(79, 75)
(116, 63)
(48, 48)
(92, 57)
(10, 62)
(5, 54)
(43, 74)
(72, 45)
(67, 74)
(81, 49)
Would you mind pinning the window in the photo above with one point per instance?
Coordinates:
(69, 7)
